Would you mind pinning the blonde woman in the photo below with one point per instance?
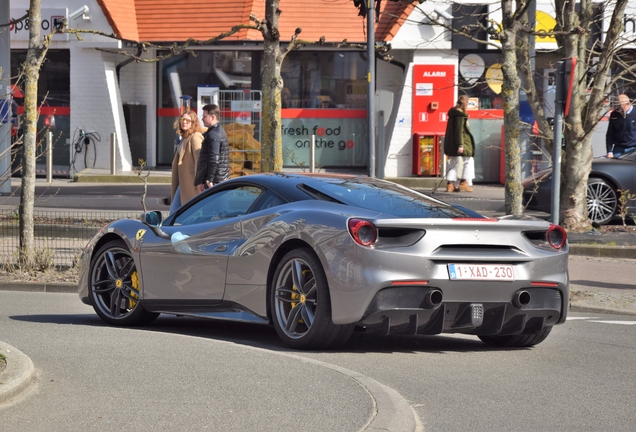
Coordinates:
(184, 164)
(459, 144)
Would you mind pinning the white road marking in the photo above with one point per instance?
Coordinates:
(579, 318)
(615, 322)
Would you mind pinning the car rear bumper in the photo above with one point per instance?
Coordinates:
(422, 310)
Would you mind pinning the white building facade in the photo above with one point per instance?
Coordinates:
(428, 69)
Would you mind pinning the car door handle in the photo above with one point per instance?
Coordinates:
(221, 248)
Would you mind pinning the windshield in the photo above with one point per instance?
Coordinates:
(385, 197)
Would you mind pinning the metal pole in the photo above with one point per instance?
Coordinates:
(113, 153)
(559, 103)
(312, 154)
(371, 83)
(5, 95)
(49, 157)
(381, 144)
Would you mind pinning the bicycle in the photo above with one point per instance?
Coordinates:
(85, 141)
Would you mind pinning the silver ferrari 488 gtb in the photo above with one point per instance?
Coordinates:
(318, 256)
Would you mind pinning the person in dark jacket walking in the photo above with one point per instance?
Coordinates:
(621, 130)
(214, 158)
(459, 145)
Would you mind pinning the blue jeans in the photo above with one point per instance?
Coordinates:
(621, 151)
(176, 201)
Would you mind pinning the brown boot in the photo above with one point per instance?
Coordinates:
(463, 187)
(450, 187)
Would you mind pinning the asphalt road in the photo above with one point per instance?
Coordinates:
(191, 374)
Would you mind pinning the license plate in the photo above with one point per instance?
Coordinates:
(481, 272)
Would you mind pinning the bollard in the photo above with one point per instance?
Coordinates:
(113, 153)
(49, 157)
(312, 154)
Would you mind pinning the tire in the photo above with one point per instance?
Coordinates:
(602, 201)
(114, 287)
(517, 341)
(301, 304)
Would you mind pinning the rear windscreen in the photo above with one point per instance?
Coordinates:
(385, 197)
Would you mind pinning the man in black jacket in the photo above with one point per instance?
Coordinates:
(621, 130)
(213, 166)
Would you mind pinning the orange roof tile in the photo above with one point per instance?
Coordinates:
(122, 17)
(178, 20)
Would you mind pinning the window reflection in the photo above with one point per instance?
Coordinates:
(222, 205)
(324, 80)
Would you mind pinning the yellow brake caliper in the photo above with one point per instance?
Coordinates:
(296, 296)
(134, 279)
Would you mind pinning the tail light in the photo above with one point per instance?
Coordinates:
(362, 231)
(556, 236)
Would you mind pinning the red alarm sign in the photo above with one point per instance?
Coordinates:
(433, 96)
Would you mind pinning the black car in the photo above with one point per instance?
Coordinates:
(608, 179)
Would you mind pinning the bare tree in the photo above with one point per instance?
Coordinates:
(273, 57)
(592, 87)
(36, 52)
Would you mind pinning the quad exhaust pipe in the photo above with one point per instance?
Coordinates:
(521, 299)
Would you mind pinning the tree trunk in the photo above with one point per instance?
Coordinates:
(272, 142)
(31, 74)
(585, 109)
(510, 94)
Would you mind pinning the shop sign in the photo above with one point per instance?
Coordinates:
(433, 94)
(494, 77)
(338, 142)
(472, 67)
(52, 18)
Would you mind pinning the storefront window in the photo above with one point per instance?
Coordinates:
(183, 75)
(180, 75)
(54, 103)
(324, 96)
(324, 79)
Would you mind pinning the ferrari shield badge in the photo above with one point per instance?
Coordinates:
(140, 234)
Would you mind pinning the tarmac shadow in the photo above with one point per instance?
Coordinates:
(265, 337)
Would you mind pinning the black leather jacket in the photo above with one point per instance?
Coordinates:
(214, 158)
(621, 131)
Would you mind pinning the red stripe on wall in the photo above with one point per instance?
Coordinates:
(50, 110)
(168, 112)
(289, 113)
(486, 114)
(322, 113)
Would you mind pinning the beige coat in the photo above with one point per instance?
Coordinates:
(184, 167)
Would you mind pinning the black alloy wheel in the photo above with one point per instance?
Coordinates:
(301, 305)
(114, 286)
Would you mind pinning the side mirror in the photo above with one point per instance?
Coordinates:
(153, 221)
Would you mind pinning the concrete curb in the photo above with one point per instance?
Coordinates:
(583, 307)
(18, 376)
(56, 287)
(603, 251)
